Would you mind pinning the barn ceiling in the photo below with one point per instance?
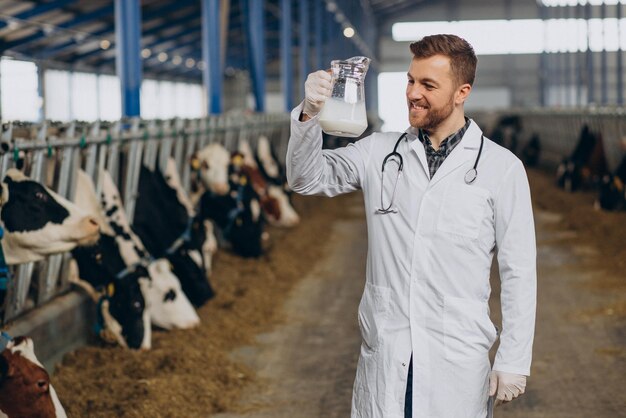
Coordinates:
(80, 34)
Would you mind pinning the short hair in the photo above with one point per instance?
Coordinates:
(461, 54)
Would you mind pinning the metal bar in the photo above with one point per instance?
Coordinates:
(77, 20)
(211, 55)
(128, 48)
(604, 98)
(319, 35)
(178, 142)
(133, 166)
(38, 10)
(286, 58)
(620, 56)
(591, 96)
(256, 41)
(303, 42)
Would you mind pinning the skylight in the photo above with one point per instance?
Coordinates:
(524, 36)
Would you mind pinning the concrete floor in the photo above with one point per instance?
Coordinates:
(307, 365)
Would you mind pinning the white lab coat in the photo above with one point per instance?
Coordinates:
(427, 284)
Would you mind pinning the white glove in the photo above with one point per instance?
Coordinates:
(316, 91)
(507, 385)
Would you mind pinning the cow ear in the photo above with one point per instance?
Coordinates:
(110, 290)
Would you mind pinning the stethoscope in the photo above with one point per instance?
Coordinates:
(394, 156)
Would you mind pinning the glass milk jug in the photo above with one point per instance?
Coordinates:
(343, 113)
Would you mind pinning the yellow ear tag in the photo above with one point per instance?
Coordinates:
(195, 164)
(110, 289)
(243, 180)
(237, 160)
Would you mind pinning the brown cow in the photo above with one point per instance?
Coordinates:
(25, 389)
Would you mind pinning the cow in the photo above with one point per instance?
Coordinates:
(238, 213)
(206, 241)
(212, 163)
(169, 306)
(587, 163)
(532, 151)
(122, 313)
(612, 194)
(25, 388)
(39, 222)
(165, 228)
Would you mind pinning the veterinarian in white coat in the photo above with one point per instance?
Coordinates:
(431, 244)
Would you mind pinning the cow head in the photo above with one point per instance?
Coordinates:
(123, 313)
(213, 161)
(39, 222)
(25, 389)
(268, 163)
(169, 307)
(246, 151)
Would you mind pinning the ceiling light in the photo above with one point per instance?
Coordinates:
(177, 60)
(145, 53)
(105, 44)
(190, 62)
(162, 57)
(348, 32)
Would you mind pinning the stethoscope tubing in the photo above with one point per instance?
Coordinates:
(469, 178)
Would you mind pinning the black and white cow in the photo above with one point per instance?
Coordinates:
(165, 228)
(238, 213)
(169, 306)
(25, 388)
(207, 241)
(122, 312)
(39, 222)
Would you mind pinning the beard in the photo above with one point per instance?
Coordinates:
(433, 117)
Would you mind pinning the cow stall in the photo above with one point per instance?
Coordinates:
(53, 153)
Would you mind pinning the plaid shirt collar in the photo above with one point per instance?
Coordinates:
(436, 157)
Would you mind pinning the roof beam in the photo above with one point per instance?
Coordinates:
(38, 10)
(77, 20)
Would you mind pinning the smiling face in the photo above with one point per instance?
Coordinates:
(434, 96)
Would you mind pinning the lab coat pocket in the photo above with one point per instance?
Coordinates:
(462, 210)
(468, 331)
(373, 311)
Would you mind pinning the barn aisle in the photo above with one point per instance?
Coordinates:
(306, 366)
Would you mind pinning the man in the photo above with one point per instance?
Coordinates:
(436, 215)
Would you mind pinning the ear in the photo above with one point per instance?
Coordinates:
(462, 93)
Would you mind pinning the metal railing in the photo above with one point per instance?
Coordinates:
(51, 153)
(559, 130)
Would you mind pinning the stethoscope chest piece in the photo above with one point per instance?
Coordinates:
(471, 175)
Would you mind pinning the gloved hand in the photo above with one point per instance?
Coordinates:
(507, 385)
(316, 91)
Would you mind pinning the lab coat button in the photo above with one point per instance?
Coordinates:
(403, 364)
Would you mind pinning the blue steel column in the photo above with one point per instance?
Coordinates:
(543, 63)
(256, 41)
(304, 42)
(319, 35)
(211, 55)
(128, 58)
(591, 96)
(286, 60)
(578, 63)
(604, 91)
(620, 58)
